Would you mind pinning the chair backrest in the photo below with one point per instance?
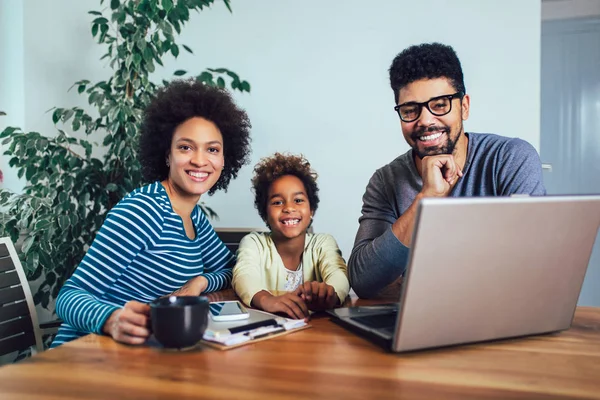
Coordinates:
(19, 328)
(231, 237)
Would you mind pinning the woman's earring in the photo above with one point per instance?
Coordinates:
(168, 163)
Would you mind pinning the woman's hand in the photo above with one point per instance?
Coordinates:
(129, 324)
(193, 287)
(288, 303)
(318, 296)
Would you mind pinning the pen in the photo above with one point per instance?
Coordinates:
(244, 328)
(254, 325)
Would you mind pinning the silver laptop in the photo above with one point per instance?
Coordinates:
(486, 268)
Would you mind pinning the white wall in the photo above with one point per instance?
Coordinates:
(12, 96)
(562, 9)
(319, 80)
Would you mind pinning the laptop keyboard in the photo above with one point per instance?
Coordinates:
(386, 322)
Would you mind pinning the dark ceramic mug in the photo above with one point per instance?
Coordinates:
(179, 321)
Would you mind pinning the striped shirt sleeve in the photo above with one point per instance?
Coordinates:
(130, 227)
(218, 260)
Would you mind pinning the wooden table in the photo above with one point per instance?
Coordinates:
(324, 361)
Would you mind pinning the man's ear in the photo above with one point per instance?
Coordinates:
(465, 104)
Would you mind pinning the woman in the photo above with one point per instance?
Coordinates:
(156, 240)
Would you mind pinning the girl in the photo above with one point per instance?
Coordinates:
(289, 270)
(156, 240)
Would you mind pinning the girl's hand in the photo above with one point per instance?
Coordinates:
(129, 324)
(319, 296)
(288, 303)
(193, 287)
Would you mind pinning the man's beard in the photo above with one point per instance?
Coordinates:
(447, 148)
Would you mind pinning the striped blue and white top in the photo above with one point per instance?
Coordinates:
(140, 253)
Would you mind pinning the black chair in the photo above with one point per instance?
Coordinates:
(19, 327)
(231, 237)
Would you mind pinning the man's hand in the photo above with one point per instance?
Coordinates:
(439, 173)
(193, 287)
(319, 296)
(288, 303)
(129, 324)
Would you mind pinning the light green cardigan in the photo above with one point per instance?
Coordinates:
(259, 265)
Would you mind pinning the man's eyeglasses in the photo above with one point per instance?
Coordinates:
(438, 106)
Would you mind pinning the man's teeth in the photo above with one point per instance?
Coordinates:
(291, 222)
(430, 137)
(198, 174)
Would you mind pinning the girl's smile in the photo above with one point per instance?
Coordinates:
(288, 209)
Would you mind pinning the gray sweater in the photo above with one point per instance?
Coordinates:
(495, 166)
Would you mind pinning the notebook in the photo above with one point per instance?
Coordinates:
(259, 325)
(482, 269)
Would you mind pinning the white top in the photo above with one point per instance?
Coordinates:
(293, 279)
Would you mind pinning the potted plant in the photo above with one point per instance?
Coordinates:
(68, 190)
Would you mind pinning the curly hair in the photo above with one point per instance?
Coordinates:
(179, 101)
(271, 168)
(426, 61)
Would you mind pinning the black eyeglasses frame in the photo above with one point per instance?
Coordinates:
(457, 95)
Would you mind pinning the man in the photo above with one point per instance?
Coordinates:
(445, 161)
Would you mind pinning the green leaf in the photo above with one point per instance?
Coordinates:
(36, 203)
(63, 222)
(63, 197)
(27, 244)
(180, 72)
(167, 5)
(56, 115)
(37, 298)
(68, 182)
(95, 12)
(219, 70)
(220, 82)
(45, 299)
(50, 278)
(206, 77)
(33, 260)
(100, 21)
(67, 115)
(175, 50)
(73, 162)
(111, 187)
(148, 55)
(42, 224)
(8, 131)
(41, 144)
(38, 271)
(187, 49)
(114, 4)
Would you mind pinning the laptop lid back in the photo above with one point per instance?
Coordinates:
(489, 268)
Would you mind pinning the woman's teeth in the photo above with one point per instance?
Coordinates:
(198, 174)
(430, 137)
(291, 222)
